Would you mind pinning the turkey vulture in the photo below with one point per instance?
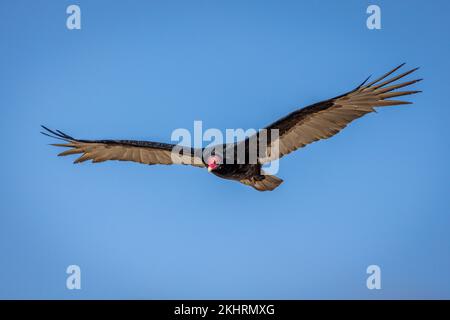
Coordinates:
(299, 128)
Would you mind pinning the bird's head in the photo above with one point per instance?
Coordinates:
(213, 162)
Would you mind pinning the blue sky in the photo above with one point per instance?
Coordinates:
(377, 193)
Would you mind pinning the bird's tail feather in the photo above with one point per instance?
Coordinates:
(267, 184)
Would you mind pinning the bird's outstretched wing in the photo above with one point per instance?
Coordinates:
(146, 152)
(324, 119)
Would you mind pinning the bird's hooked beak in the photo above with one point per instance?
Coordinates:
(212, 166)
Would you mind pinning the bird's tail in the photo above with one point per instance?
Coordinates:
(267, 184)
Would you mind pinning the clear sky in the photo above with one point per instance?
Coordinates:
(377, 193)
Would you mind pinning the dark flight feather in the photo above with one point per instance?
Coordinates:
(146, 152)
(324, 119)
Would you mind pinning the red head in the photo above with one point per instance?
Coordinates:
(213, 162)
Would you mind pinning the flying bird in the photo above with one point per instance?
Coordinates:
(303, 126)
